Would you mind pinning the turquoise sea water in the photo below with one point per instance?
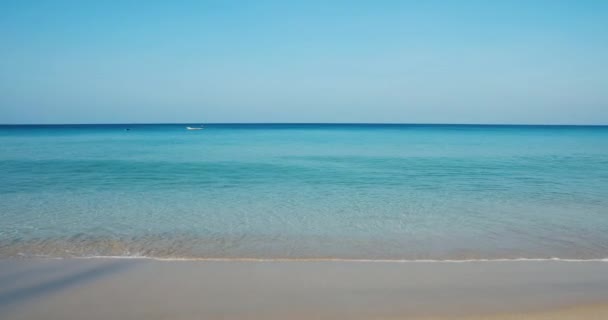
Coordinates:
(305, 191)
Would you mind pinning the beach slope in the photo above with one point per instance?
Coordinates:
(150, 289)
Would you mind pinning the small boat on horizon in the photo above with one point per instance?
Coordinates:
(194, 128)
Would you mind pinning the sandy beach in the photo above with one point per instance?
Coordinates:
(304, 160)
(150, 289)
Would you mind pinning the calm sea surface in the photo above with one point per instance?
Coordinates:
(304, 191)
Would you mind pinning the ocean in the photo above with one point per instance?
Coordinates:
(304, 191)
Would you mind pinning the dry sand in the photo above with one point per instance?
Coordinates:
(148, 289)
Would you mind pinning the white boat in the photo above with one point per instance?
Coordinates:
(194, 128)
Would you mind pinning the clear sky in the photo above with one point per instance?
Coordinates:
(314, 61)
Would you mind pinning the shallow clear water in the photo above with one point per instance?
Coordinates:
(305, 191)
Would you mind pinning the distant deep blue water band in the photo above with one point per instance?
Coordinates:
(305, 191)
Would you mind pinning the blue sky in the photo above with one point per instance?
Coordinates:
(313, 61)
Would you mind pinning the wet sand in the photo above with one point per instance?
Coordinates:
(149, 289)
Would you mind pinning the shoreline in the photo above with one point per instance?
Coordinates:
(279, 259)
(136, 288)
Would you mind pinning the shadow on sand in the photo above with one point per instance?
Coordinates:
(11, 277)
(62, 282)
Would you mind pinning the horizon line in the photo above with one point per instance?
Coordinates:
(307, 123)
